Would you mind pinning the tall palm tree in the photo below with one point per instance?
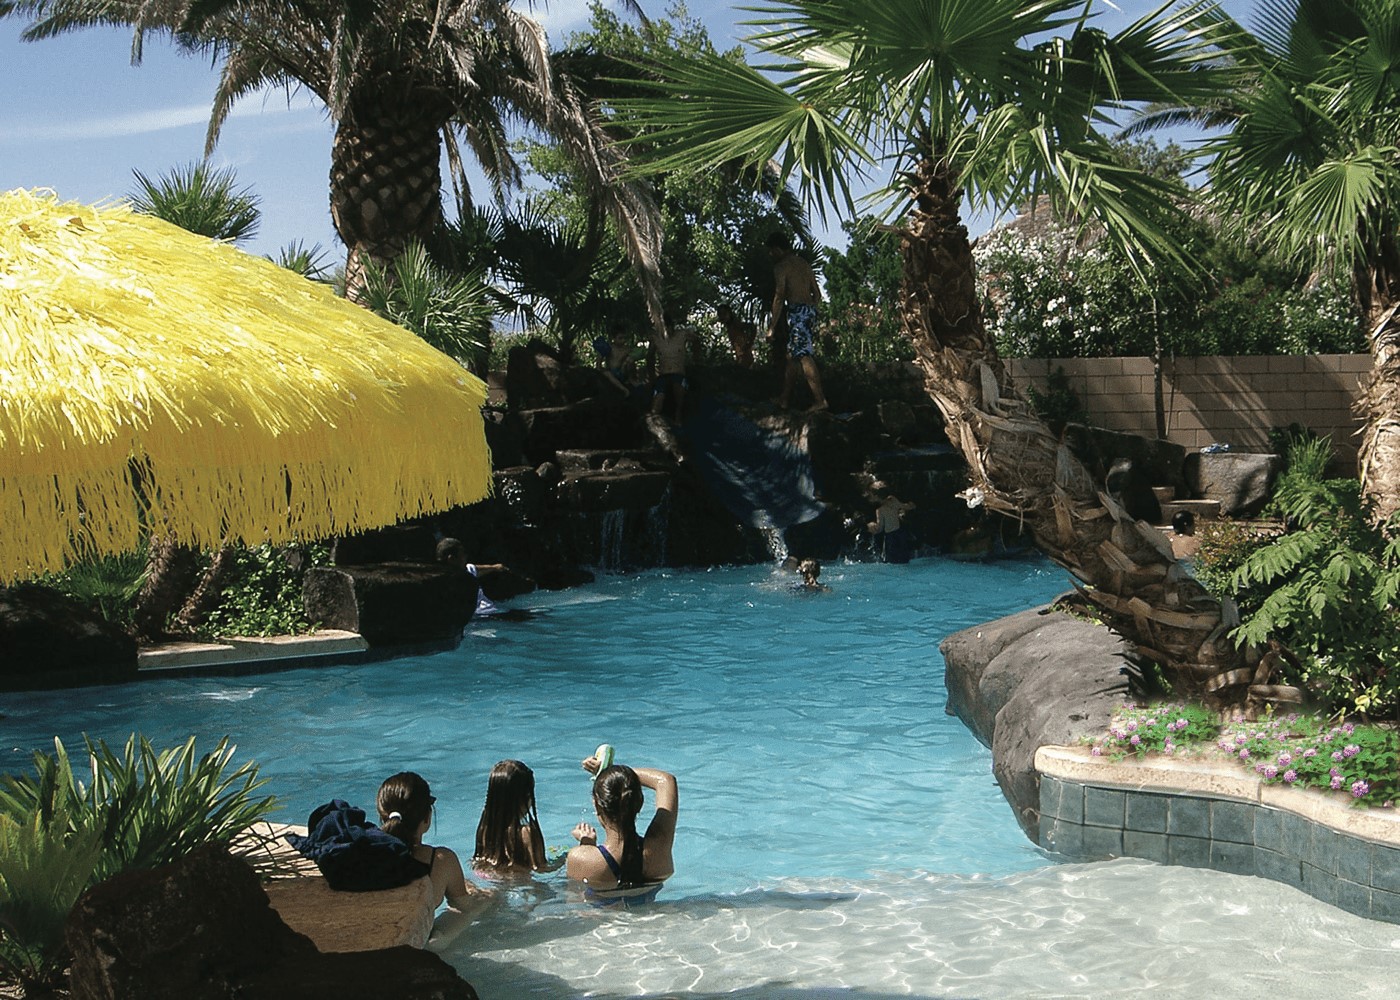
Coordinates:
(398, 80)
(1311, 160)
(1003, 100)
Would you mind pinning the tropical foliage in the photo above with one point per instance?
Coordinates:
(200, 199)
(141, 808)
(861, 317)
(261, 591)
(452, 312)
(1000, 101)
(1311, 159)
(1329, 590)
(402, 82)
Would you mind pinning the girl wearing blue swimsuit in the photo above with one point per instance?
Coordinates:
(625, 869)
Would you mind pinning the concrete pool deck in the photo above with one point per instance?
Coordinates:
(277, 652)
(1212, 814)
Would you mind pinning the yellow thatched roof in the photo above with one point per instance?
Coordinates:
(233, 397)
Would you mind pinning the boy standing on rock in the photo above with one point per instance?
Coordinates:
(796, 298)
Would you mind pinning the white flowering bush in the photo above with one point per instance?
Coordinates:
(1049, 295)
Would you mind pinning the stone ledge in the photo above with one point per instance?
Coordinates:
(252, 649)
(1205, 814)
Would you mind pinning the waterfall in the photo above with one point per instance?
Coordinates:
(630, 538)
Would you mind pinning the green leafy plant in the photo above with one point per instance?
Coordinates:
(1224, 548)
(199, 199)
(142, 807)
(1332, 585)
(450, 311)
(1059, 404)
(47, 858)
(108, 584)
(262, 594)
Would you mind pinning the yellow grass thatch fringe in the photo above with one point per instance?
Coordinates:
(150, 378)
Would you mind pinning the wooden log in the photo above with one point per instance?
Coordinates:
(1277, 692)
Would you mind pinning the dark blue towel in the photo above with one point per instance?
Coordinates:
(355, 855)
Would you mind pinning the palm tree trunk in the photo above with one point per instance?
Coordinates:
(1380, 440)
(171, 568)
(386, 185)
(1020, 467)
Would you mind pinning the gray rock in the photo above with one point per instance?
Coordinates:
(1160, 461)
(50, 640)
(613, 490)
(202, 929)
(1029, 680)
(1240, 481)
(391, 603)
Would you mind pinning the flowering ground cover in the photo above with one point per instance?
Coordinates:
(1297, 750)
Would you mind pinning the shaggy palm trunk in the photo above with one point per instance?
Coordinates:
(386, 183)
(1380, 440)
(1023, 469)
(171, 570)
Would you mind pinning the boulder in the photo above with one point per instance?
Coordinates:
(50, 640)
(589, 424)
(391, 603)
(1029, 680)
(1239, 481)
(534, 376)
(1160, 461)
(202, 929)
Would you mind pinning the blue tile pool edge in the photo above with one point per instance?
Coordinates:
(1206, 814)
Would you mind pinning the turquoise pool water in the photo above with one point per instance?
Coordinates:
(839, 835)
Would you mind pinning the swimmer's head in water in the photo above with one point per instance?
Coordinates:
(404, 802)
(810, 570)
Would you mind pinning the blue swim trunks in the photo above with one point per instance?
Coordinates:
(664, 382)
(802, 328)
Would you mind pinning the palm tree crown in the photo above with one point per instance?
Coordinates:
(398, 79)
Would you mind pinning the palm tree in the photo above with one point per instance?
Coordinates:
(1003, 100)
(199, 199)
(398, 80)
(1311, 160)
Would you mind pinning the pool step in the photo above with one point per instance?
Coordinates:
(274, 650)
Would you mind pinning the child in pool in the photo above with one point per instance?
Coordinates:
(405, 804)
(625, 868)
(508, 837)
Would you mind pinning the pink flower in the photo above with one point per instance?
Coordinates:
(1310, 752)
(1290, 776)
(1350, 750)
(1136, 739)
(1244, 753)
(1285, 758)
(1270, 771)
(1336, 755)
(1336, 782)
(1359, 788)
(1239, 737)
(1097, 750)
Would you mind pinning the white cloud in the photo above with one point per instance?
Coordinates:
(134, 123)
(559, 17)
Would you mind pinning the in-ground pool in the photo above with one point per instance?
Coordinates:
(839, 835)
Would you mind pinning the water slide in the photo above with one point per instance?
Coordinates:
(762, 476)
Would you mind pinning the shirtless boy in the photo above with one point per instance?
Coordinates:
(668, 349)
(796, 296)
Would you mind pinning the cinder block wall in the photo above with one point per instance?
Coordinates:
(1225, 399)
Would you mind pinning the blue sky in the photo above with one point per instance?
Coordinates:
(77, 117)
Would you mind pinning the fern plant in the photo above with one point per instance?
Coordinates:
(1331, 587)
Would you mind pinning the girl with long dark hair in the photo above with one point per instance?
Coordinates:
(624, 867)
(508, 837)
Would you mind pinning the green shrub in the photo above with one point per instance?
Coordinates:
(142, 808)
(47, 858)
(262, 595)
(1059, 404)
(108, 585)
(1163, 728)
(1224, 548)
(1330, 589)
